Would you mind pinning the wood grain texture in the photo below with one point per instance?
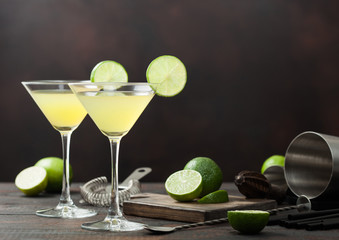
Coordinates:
(18, 222)
(162, 206)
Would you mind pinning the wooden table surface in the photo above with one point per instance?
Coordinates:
(18, 221)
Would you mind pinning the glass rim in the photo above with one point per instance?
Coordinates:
(114, 83)
(53, 82)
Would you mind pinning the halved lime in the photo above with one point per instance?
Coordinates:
(109, 71)
(32, 181)
(184, 185)
(219, 196)
(169, 73)
(248, 221)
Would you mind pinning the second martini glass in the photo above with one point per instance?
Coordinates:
(114, 108)
(64, 111)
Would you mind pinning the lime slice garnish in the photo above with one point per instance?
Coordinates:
(109, 71)
(219, 196)
(248, 221)
(184, 185)
(169, 73)
(32, 181)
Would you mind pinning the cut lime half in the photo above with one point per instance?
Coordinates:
(248, 221)
(169, 73)
(109, 71)
(32, 181)
(184, 185)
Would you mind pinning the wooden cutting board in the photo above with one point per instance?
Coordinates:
(162, 206)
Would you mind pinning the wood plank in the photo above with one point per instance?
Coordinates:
(162, 206)
(16, 226)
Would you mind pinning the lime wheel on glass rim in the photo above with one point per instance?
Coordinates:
(109, 71)
(169, 73)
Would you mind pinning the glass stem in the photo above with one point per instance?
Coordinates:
(114, 210)
(65, 197)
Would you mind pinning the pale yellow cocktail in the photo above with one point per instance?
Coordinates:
(61, 107)
(65, 113)
(114, 107)
(114, 113)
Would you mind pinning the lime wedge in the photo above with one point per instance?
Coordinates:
(184, 185)
(169, 72)
(32, 181)
(219, 196)
(248, 221)
(109, 71)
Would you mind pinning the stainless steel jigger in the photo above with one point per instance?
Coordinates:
(312, 166)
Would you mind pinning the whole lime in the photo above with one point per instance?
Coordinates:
(248, 221)
(275, 160)
(54, 167)
(210, 171)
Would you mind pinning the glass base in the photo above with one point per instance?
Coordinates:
(118, 224)
(66, 211)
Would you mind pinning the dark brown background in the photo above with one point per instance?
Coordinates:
(259, 73)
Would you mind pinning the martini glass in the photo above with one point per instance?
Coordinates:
(114, 108)
(65, 113)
